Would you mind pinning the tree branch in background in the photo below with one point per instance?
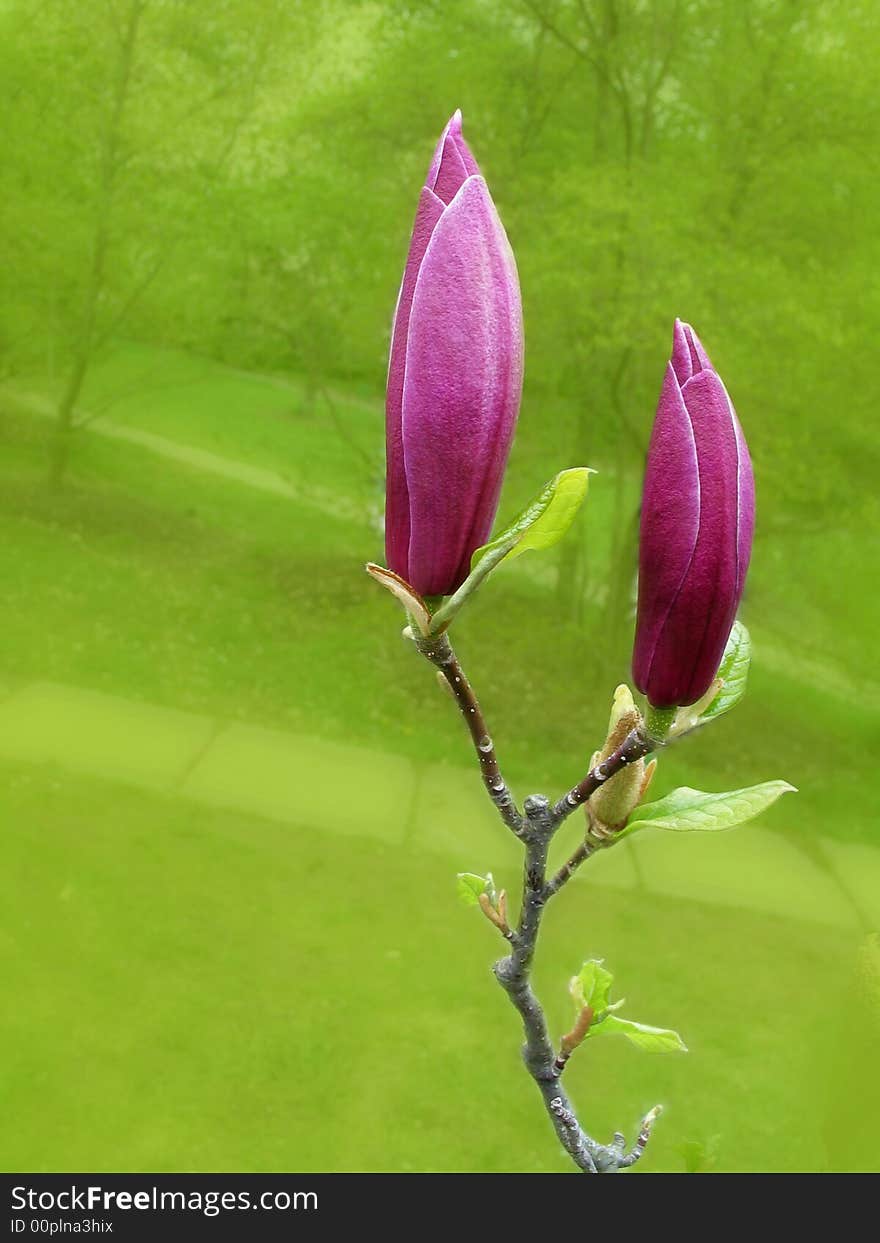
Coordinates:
(89, 337)
(60, 448)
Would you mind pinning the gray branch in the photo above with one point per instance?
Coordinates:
(438, 650)
(635, 746)
(568, 869)
(535, 827)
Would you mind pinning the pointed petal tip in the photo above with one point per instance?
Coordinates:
(688, 355)
(680, 359)
(681, 330)
(452, 169)
(454, 128)
(702, 361)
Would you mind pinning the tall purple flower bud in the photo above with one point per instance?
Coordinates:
(454, 377)
(698, 516)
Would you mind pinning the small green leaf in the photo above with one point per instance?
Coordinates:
(592, 986)
(651, 1039)
(544, 522)
(539, 525)
(470, 886)
(733, 671)
(686, 810)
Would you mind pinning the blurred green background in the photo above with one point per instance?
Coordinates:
(233, 802)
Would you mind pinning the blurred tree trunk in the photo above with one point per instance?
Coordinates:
(84, 346)
(138, 49)
(628, 79)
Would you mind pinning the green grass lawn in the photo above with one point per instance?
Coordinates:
(259, 996)
(190, 990)
(266, 420)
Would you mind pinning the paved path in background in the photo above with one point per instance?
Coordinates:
(257, 477)
(350, 790)
(770, 653)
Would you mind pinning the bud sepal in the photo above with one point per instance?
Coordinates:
(612, 804)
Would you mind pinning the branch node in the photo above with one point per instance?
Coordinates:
(565, 1116)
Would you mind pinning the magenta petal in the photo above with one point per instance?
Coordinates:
(397, 499)
(454, 375)
(692, 644)
(698, 516)
(680, 642)
(682, 359)
(473, 169)
(431, 178)
(688, 355)
(700, 360)
(462, 387)
(451, 171)
(745, 505)
(669, 522)
(453, 131)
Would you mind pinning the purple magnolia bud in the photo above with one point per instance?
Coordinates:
(454, 377)
(698, 515)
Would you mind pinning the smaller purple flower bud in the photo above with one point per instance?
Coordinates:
(698, 517)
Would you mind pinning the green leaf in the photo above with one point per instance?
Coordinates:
(651, 1039)
(538, 526)
(544, 522)
(470, 886)
(592, 986)
(686, 810)
(733, 671)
